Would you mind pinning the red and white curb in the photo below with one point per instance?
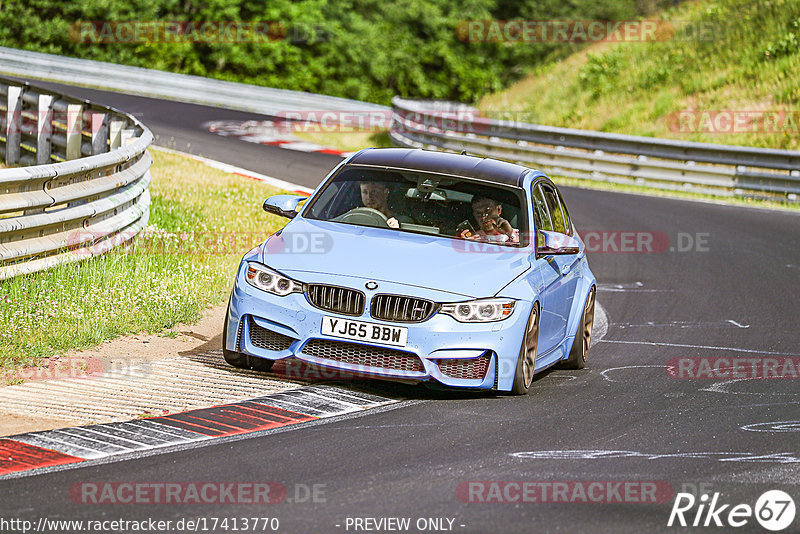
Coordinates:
(34, 450)
(273, 133)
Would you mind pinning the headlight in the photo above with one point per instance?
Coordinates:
(479, 311)
(266, 279)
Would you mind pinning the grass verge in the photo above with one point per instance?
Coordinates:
(347, 141)
(202, 221)
(716, 62)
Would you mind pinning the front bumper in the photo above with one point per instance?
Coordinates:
(468, 355)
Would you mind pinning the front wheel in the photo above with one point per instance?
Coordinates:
(583, 336)
(526, 362)
(237, 359)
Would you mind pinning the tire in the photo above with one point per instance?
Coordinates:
(237, 359)
(260, 364)
(583, 336)
(526, 361)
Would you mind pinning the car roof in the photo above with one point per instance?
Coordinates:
(486, 169)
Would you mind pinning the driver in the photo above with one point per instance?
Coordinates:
(375, 195)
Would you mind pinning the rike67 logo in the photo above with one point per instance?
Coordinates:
(774, 510)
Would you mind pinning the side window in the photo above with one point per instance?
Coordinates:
(554, 207)
(565, 211)
(541, 215)
(540, 210)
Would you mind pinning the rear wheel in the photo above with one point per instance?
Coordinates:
(523, 376)
(237, 359)
(583, 336)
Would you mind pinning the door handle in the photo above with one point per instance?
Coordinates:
(565, 269)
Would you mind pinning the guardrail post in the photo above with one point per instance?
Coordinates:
(99, 133)
(74, 127)
(13, 124)
(127, 136)
(115, 134)
(44, 129)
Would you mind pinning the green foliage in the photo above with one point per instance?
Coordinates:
(600, 72)
(789, 43)
(719, 55)
(363, 49)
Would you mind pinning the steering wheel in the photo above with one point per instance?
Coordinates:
(364, 217)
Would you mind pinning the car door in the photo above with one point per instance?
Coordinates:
(558, 271)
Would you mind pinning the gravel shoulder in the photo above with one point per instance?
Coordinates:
(132, 377)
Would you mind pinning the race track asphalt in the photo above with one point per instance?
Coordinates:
(732, 293)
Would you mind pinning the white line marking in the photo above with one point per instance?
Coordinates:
(722, 387)
(603, 373)
(635, 286)
(600, 454)
(775, 426)
(681, 324)
(49, 442)
(302, 146)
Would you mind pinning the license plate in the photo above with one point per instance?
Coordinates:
(361, 331)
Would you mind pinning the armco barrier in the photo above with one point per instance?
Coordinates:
(172, 86)
(83, 186)
(661, 163)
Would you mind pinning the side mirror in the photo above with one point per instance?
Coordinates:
(553, 243)
(283, 205)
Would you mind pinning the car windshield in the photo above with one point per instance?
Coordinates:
(417, 202)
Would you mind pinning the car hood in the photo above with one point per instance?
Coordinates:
(455, 266)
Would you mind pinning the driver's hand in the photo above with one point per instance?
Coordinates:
(393, 223)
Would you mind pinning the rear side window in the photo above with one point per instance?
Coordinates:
(565, 211)
(540, 210)
(557, 216)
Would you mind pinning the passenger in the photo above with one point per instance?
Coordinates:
(491, 225)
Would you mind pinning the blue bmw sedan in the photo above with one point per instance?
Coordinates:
(418, 266)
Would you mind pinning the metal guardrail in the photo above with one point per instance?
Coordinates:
(84, 186)
(661, 163)
(171, 86)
